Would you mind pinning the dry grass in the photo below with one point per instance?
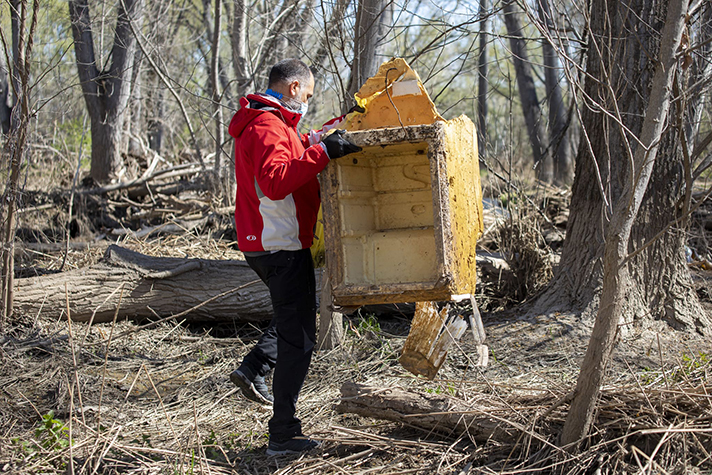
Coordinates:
(143, 401)
(159, 401)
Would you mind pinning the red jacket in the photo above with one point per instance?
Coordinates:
(277, 198)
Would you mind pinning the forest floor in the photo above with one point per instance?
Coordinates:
(159, 400)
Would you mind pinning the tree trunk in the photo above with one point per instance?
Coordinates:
(428, 412)
(527, 93)
(106, 135)
(106, 92)
(240, 62)
(661, 282)
(616, 281)
(135, 125)
(15, 147)
(331, 323)
(154, 108)
(482, 88)
(5, 109)
(372, 19)
(560, 148)
(221, 174)
(154, 91)
(15, 9)
(151, 286)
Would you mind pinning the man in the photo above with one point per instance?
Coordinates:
(275, 214)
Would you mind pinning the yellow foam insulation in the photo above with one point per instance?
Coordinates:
(402, 217)
(394, 97)
(463, 175)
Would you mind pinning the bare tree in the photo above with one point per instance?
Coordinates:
(373, 18)
(221, 172)
(482, 82)
(644, 142)
(280, 36)
(560, 148)
(527, 93)
(5, 109)
(106, 91)
(240, 59)
(617, 91)
(15, 145)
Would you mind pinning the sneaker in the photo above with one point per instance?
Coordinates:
(297, 445)
(262, 388)
(253, 390)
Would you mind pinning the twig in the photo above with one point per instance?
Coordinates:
(71, 418)
(91, 320)
(389, 96)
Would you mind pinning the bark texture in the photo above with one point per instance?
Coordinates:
(106, 92)
(622, 58)
(372, 19)
(152, 286)
(4, 96)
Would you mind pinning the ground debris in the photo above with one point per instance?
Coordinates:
(160, 400)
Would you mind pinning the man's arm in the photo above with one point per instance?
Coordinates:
(277, 171)
(315, 136)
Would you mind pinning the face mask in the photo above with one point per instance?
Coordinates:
(303, 108)
(296, 105)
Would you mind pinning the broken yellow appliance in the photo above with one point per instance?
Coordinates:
(404, 214)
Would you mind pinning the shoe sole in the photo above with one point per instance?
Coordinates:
(248, 390)
(276, 453)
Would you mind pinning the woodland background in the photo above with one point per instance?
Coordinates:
(594, 133)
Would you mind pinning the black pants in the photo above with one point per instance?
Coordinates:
(287, 344)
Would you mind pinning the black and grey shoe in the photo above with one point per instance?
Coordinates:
(296, 445)
(253, 390)
(262, 388)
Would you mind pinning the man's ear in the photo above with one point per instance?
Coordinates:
(294, 88)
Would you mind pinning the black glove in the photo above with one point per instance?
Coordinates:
(337, 146)
(357, 108)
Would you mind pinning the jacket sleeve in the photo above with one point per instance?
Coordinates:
(314, 137)
(277, 171)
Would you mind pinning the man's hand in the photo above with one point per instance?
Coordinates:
(337, 146)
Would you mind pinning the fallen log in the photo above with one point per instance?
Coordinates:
(148, 287)
(481, 420)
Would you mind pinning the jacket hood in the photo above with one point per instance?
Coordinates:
(255, 105)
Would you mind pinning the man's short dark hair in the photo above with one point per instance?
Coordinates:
(289, 70)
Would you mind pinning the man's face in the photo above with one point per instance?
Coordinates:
(302, 92)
